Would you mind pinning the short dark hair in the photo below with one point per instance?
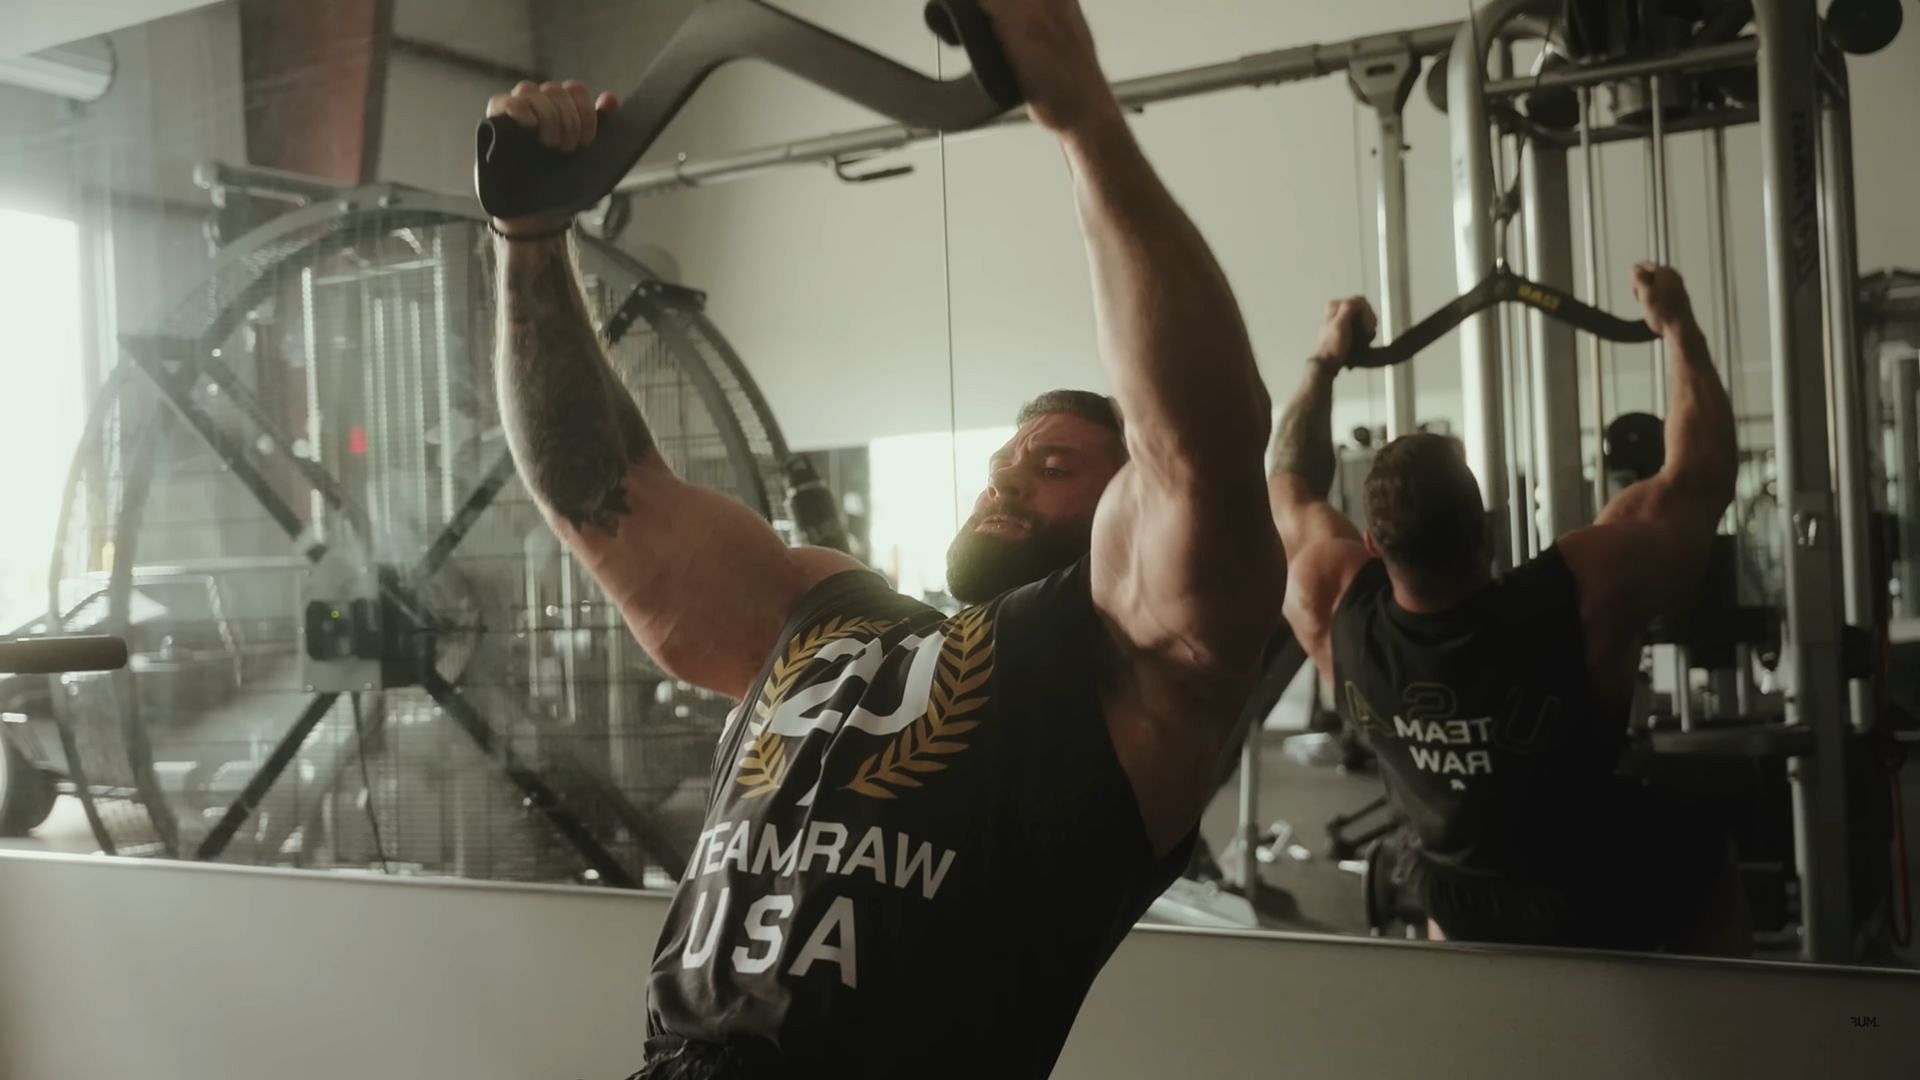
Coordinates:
(1085, 404)
(1424, 509)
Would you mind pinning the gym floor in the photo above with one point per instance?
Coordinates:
(1312, 894)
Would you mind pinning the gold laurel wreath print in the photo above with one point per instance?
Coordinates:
(960, 687)
(765, 763)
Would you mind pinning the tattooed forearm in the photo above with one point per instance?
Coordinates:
(1303, 446)
(573, 428)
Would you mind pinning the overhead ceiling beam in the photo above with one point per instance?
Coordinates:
(506, 74)
(316, 78)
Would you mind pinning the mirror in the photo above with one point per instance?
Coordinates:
(251, 299)
(1306, 834)
(263, 331)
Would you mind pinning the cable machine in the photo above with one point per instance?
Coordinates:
(1829, 631)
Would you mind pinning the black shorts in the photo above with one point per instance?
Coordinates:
(1645, 878)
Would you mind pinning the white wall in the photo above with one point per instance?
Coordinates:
(837, 295)
(35, 24)
(432, 106)
(172, 971)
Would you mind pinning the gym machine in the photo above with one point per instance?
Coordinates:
(1670, 68)
(515, 176)
(1667, 68)
(1891, 334)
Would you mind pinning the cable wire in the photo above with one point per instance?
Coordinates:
(366, 780)
(946, 271)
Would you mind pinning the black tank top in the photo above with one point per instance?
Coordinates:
(1492, 745)
(920, 847)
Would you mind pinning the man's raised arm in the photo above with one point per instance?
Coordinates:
(1183, 552)
(702, 581)
(1645, 552)
(1303, 453)
(1323, 550)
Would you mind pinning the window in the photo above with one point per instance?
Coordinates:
(923, 487)
(41, 399)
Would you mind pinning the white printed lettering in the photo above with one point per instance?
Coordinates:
(815, 831)
(693, 861)
(791, 718)
(693, 955)
(711, 864)
(870, 853)
(1479, 761)
(922, 861)
(914, 695)
(1458, 732)
(839, 921)
(782, 861)
(737, 847)
(757, 929)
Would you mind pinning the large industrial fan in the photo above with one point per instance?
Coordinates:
(355, 642)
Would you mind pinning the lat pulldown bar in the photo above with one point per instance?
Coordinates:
(1501, 287)
(516, 176)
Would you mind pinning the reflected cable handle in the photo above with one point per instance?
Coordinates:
(1503, 287)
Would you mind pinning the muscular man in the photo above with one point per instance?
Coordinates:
(927, 834)
(1498, 707)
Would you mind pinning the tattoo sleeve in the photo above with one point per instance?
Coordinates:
(1303, 446)
(572, 426)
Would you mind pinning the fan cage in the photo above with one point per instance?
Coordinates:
(319, 414)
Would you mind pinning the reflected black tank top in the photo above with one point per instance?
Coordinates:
(1493, 747)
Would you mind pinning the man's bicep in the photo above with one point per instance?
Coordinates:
(703, 582)
(1196, 575)
(1302, 518)
(1317, 577)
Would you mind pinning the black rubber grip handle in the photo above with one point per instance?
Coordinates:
(1500, 288)
(58, 655)
(516, 176)
(963, 24)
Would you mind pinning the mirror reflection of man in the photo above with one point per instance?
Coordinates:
(927, 834)
(1498, 707)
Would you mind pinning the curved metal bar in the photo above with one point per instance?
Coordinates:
(518, 177)
(133, 728)
(104, 403)
(1502, 287)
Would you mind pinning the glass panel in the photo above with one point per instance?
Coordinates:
(356, 644)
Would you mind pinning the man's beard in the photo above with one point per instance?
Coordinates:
(981, 566)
